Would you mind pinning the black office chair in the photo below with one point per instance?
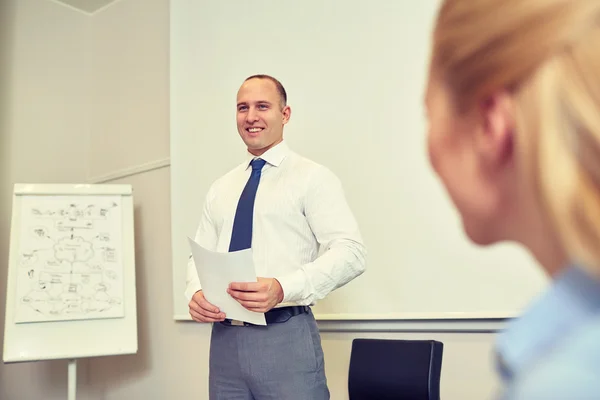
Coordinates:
(385, 369)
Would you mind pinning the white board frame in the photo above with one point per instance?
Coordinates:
(79, 338)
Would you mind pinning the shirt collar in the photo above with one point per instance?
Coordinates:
(274, 156)
(571, 300)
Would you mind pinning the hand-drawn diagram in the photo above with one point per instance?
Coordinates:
(70, 259)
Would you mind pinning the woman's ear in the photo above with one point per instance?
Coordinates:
(495, 138)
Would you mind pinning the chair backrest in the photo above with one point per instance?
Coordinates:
(386, 369)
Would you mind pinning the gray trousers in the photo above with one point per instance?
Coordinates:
(282, 361)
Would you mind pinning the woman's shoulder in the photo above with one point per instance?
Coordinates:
(569, 370)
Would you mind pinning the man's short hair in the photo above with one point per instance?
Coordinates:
(278, 85)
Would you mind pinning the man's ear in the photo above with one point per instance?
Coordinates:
(495, 137)
(287, 113)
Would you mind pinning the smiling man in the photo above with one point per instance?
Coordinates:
(288, 209)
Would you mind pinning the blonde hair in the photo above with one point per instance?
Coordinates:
(546, 52)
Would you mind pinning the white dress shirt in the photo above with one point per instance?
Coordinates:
(304, 233)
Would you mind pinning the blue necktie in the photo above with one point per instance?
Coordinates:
(241, 237)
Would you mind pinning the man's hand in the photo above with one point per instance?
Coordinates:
(258, 296)
(202, 311)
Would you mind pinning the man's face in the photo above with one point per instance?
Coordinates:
(260, 115)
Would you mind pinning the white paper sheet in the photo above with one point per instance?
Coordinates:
(216, 271)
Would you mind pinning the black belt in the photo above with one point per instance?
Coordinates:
(275, 315)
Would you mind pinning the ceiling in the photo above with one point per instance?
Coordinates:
(88, 6)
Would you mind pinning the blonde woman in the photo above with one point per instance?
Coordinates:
(513, 105)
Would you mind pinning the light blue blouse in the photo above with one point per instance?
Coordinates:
(553, 350)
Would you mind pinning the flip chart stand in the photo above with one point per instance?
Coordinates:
(72, 379)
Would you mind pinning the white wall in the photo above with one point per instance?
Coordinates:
(129, 87)
(44, 129)
(123, 88)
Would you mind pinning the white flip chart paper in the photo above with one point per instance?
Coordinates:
(216, 271)
(70, 265)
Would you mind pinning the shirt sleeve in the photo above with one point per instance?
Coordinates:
(206, 236)
(336, 230)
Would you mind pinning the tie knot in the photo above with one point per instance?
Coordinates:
(257, 164)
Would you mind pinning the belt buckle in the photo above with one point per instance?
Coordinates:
(235, 322)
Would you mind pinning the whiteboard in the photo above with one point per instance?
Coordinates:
(71, 273)
(355, 74)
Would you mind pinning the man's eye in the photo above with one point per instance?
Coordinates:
(262, 107)
(242, 108)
